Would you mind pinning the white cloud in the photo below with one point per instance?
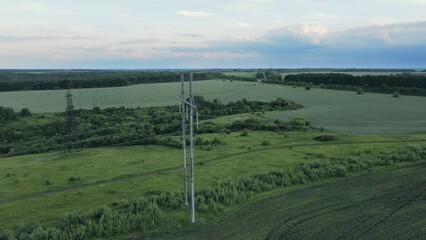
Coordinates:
(38, 7)
(321, 15)
(194, 14)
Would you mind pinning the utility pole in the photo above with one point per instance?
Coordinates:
(71, 122)
(188, 104)
(183, 115)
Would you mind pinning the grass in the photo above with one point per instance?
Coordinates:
(341, 111)
(388, 204)
(106, 175)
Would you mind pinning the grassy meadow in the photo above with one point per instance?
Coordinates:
(43, 187)
(340, 111)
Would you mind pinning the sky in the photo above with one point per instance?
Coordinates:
(159, 34)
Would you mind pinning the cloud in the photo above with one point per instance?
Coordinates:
(379, 35)
(194, 14)
(321, 15)
(192, 35)
(140, 41)
(38, 7)
(394, 45)
(18, 38)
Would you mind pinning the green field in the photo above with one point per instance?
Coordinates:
(340, 111)
(385, 205)
(108, 175)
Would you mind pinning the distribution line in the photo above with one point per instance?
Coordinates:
(58, 146)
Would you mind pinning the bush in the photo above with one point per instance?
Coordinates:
(395, 95)
(25, 112)
(359, 91)
(325, 138)
(74, 179)
(266, 143)
(244, 133)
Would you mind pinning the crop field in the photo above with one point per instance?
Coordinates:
(386, 205)
(43, 187)
(340, 111)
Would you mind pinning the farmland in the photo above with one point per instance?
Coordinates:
(387, 205)
(341, 111)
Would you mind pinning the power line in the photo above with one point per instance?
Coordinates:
(60, 146)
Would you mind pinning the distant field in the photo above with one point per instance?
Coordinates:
(336, 110)
(384, 205)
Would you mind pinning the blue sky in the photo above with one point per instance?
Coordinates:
(212, 34)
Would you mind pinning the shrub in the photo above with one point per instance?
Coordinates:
(359, 91)
(325, 138)
(244, 133)
(395, 95)
(74, 179)
(25, 112)
(266, 143)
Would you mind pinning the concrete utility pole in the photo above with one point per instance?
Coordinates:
(184, 107)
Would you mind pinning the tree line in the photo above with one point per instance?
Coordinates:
(95, 79)
(407, 84)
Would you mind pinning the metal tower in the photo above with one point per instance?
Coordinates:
(183, 111)
(188, 104)
(71, 122)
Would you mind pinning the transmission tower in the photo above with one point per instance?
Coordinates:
(185, 105)
(71, 122)
(183, 111)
